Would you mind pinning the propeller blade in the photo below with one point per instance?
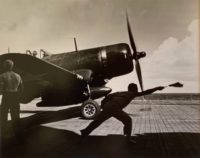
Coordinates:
(139, 73)
(135, 55)
(132, 42)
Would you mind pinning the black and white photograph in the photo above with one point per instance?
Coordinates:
(99, 79)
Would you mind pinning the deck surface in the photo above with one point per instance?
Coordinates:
(161, 129)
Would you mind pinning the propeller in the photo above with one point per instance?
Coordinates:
(136, 54)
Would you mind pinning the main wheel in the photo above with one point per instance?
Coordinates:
(90, 109)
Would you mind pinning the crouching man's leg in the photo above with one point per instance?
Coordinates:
(127, 121)
(104, 115)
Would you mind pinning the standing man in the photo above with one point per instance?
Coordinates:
(10, 88)
(113, 105)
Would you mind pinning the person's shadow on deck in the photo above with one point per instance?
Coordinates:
(45, 142)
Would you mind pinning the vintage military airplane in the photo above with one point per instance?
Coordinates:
(75, 77)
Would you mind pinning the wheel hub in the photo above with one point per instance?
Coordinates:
(89, 110)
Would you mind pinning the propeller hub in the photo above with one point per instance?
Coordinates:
(139, 55)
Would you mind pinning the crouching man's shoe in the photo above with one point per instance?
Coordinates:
(130, 140)
(83, 133)
(83, 136)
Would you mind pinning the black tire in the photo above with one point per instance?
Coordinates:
(90, 109)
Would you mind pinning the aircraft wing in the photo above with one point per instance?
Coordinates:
(40, 77)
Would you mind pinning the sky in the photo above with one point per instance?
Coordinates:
(167, 30)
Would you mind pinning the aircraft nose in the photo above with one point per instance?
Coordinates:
(119, 60)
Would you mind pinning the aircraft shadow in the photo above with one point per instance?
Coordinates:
(46, 142)
(42, 117)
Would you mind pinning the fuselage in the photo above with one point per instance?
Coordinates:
(105, 62)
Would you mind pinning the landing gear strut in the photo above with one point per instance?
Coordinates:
(90, 109)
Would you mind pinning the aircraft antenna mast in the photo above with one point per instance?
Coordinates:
(75, 44)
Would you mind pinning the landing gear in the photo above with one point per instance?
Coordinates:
(90, 109)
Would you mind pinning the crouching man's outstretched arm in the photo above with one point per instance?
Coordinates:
(149, 91)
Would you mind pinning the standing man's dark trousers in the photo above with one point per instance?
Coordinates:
(110, 111)
(10, 102)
